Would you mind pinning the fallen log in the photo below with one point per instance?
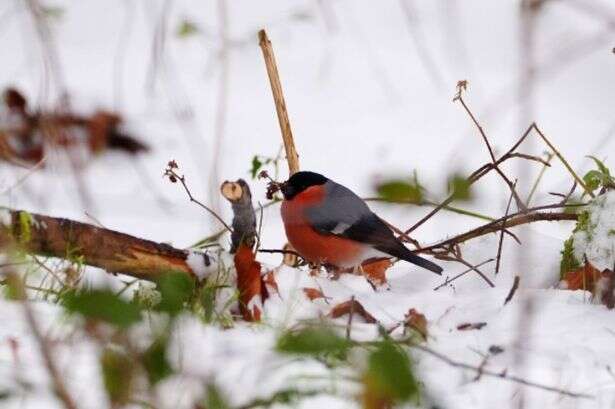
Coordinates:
(115, 252)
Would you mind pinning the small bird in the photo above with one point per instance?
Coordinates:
(330, 225)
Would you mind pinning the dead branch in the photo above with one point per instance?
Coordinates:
(509, 221)
(110, 250)
(280, 104)
(244, 217)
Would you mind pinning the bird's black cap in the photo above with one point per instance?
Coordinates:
(300, 181)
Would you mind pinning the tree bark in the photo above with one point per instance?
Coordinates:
(110, 250)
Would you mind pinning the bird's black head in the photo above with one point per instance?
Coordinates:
(300, 181)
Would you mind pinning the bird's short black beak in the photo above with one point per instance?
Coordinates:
(286, 190)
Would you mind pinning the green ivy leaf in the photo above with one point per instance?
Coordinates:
(390, 374)
(175, 289)
(256, 166)
(187, 29)
(102, 305)
(156, 362)
(460, 187)
(398, 190)
(312, 341)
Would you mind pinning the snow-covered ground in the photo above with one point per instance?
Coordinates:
(363, 106)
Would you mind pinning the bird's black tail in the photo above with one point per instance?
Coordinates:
(402, 252)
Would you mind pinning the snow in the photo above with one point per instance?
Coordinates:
(201, 267)
(597, 241)
(363, 107)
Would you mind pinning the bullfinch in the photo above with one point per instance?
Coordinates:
(330, 225)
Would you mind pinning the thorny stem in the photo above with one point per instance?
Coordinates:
(459, 98)
(513, 220)
(501, 242)
(450, 280)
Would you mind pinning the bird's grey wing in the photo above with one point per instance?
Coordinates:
(346, 215)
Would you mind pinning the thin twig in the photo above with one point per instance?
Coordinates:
(174, 176)
(513, 290)
(475, 268)
(45, 348)
(538, 179)
(459, 97)
(564, 162)
(450, 280)
(501, 242)
(350, 315)
(501, 375)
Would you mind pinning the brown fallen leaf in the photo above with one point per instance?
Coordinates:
(375, 270)
(583, 278)
(313, 293)
(416, 321)
(352, 306)
(252, 291)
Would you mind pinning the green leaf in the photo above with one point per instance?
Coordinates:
(593, 179)
(187, 29)
(208, 301)
(156, 362)
(102, 305)
(312, 341)
(117, 372)
(214, 398)
(256, 166)
(460, 187)
(601, 167)
(390, 374)
(569, 262)
(398, 190)
(175, 289)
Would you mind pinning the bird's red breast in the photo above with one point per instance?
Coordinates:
(315, 247)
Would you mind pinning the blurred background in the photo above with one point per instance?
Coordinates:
(369, 89)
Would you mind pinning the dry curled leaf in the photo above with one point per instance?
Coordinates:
(416, 321)
(269, 279)
(354, 307)
(252, 291)
(583, 278)
(313, 293)
(375, 270)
